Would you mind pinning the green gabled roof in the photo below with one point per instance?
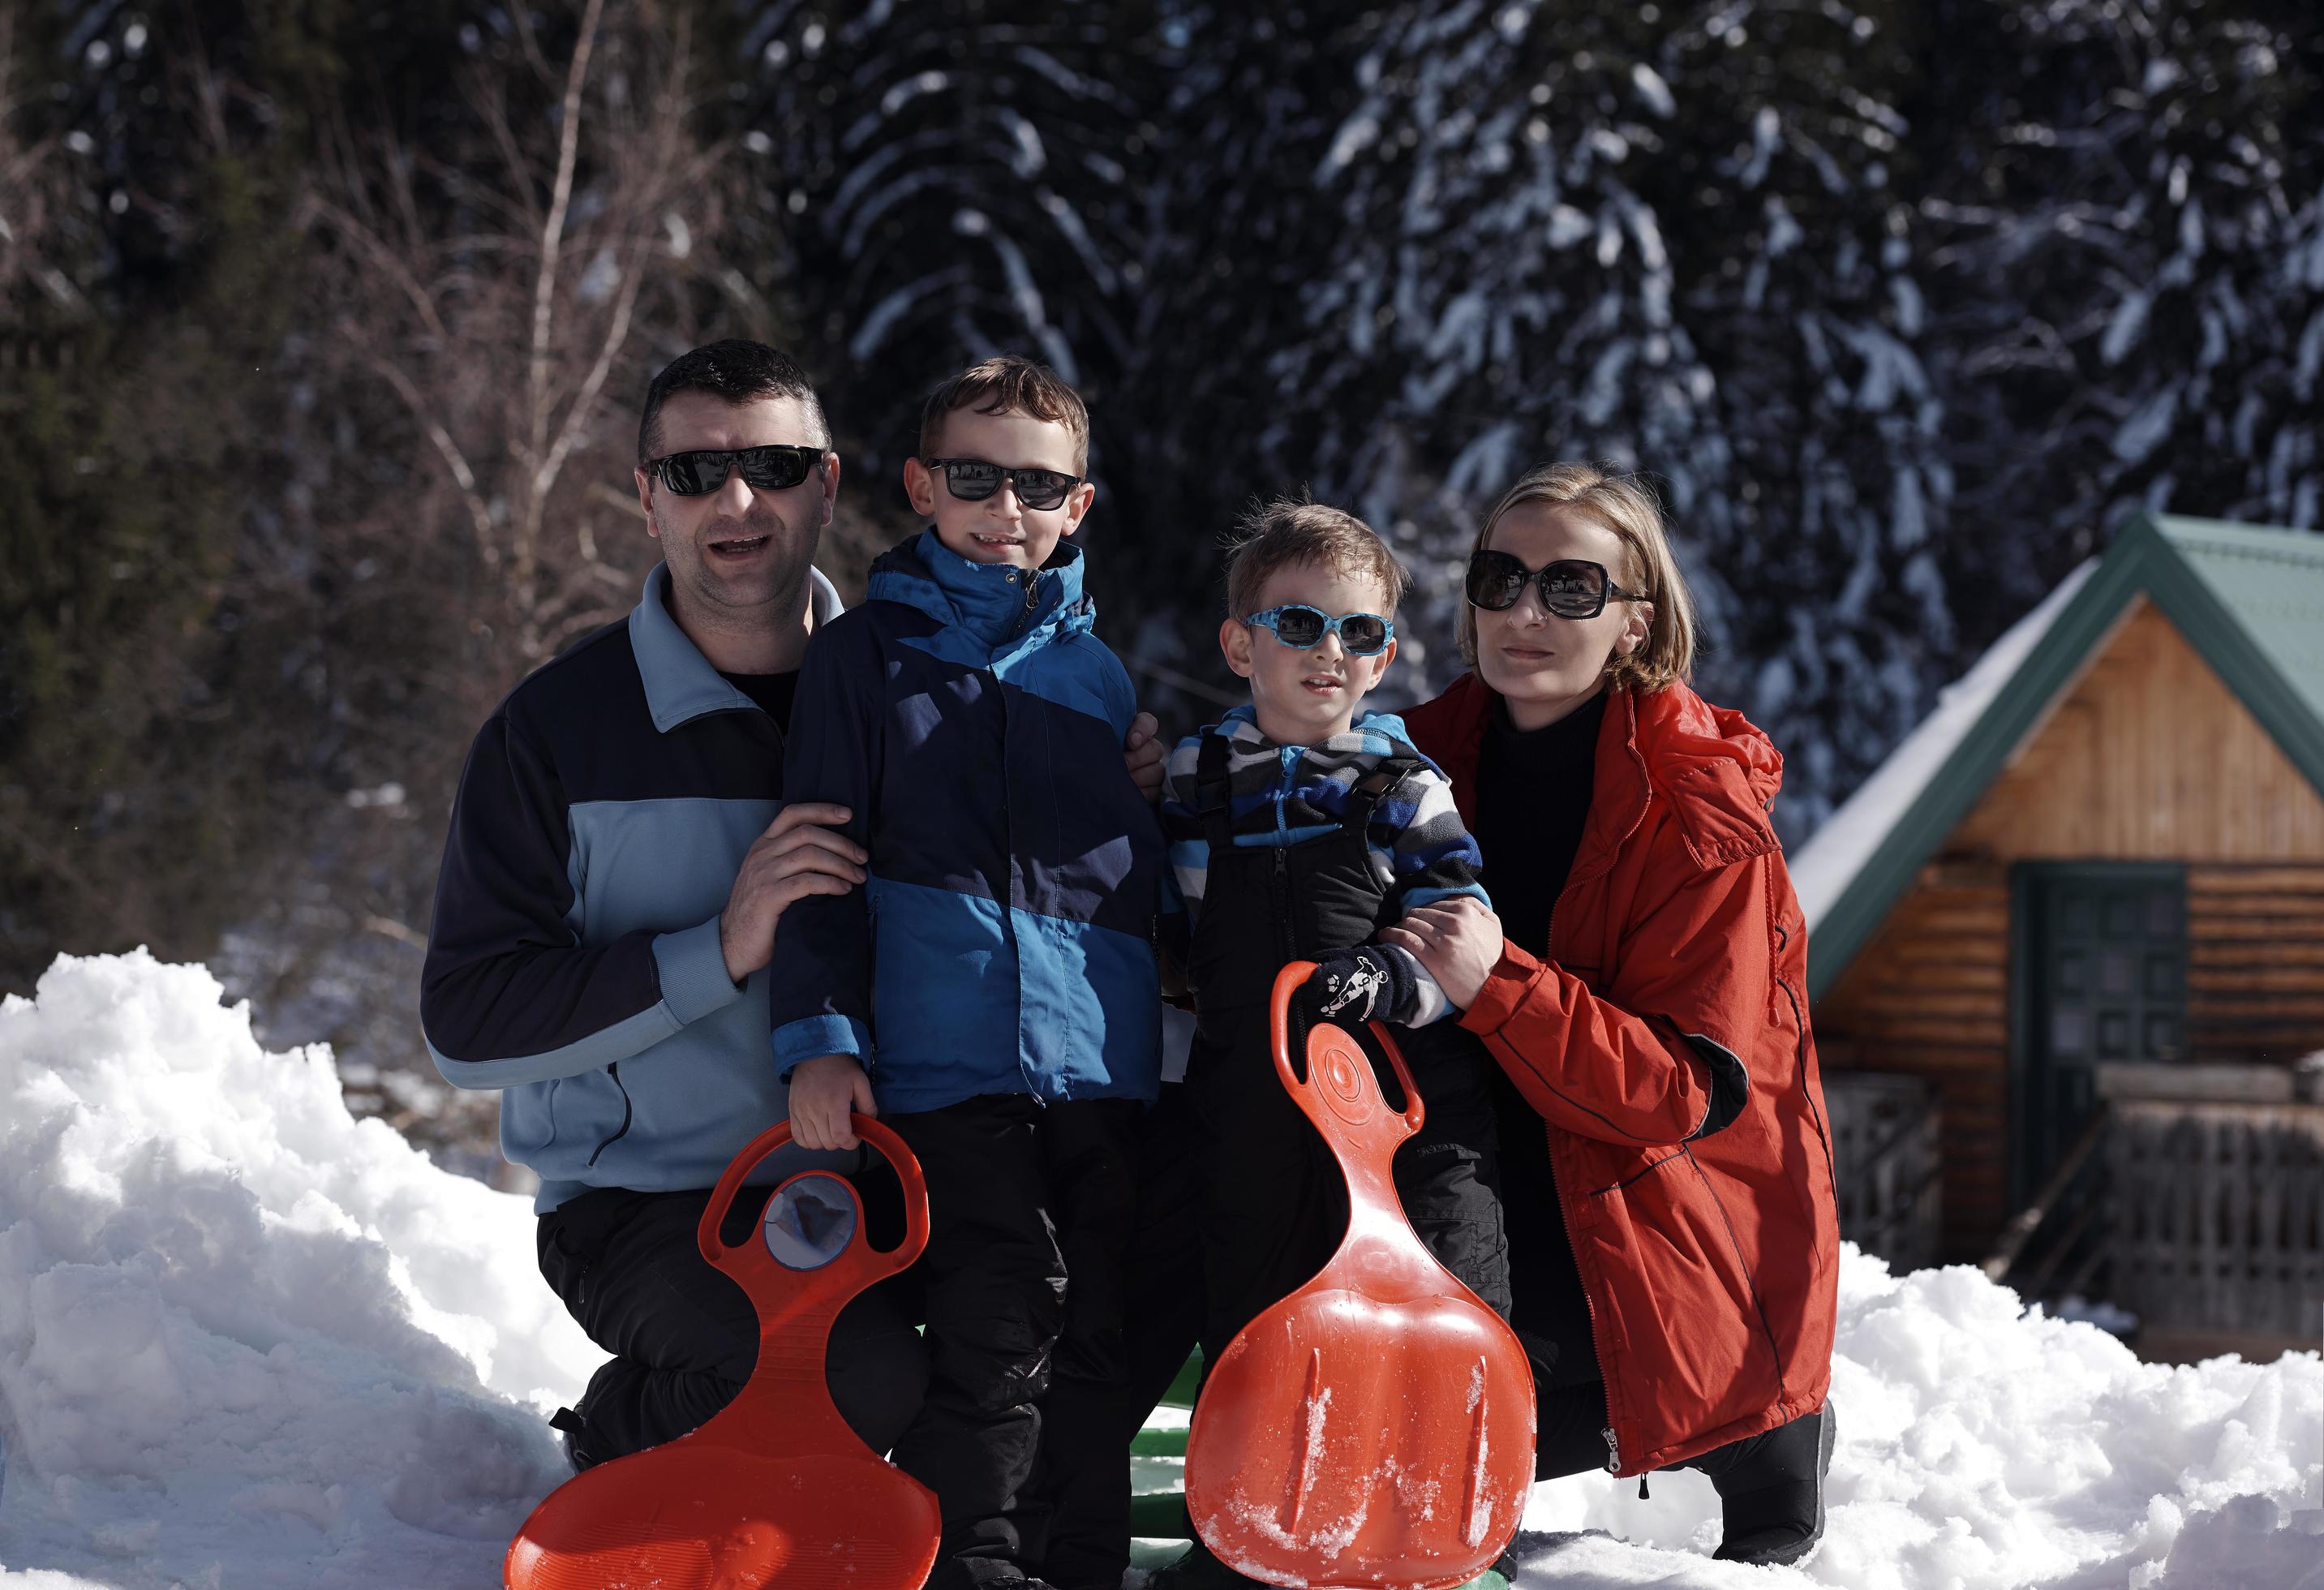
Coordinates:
(2248, 598)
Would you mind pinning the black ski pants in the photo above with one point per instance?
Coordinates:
(684, 1338)
(1030, 1212)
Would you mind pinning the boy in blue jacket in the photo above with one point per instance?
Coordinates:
(990, 992)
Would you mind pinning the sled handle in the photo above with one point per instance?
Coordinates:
(1311, 1093)
(858, 1264)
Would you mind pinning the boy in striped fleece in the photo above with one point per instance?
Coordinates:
(1299, 827)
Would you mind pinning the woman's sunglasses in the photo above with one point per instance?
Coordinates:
(972, 480)
(1571, 588)
(767, 469)
(1362, 634)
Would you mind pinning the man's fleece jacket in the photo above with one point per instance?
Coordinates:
(972, 723)
(574, 963)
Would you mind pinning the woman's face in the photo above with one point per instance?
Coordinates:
(1545, 666)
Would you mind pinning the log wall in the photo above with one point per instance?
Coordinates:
(2147, 756)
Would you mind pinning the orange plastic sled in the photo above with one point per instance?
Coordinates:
(1376, 1426)
(776, 1489)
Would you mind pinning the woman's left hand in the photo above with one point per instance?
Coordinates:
(1458, 940)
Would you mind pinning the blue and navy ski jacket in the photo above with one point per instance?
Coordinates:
(574, 962)
(972, 723)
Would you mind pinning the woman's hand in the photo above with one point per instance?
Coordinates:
(1458, 940)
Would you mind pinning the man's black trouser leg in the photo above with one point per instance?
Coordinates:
(684, 1338)
(994, 1281)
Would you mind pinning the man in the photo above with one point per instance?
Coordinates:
(616, 871)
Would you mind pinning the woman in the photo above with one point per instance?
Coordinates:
(1666, 1169)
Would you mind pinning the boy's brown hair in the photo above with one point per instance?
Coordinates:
(1285, 533)
(1009, 384)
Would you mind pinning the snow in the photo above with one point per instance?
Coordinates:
(247, 1341)
(1822, 869)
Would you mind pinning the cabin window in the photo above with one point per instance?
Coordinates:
(2101, 978)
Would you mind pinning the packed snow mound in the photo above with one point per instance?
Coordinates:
(247, 1341)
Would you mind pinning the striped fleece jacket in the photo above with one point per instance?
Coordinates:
(1284, 795)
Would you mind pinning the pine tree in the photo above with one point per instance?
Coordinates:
(2127, 202)
(1668, 241)
(946, 180)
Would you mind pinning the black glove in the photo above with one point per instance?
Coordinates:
(1352, 986)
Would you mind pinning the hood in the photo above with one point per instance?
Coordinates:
(988, 600)
(1717, 770)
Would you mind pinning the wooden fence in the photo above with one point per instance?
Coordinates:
(1885, 1132)
(2218, 1216)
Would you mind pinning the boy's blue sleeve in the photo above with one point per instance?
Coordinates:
(819, 984)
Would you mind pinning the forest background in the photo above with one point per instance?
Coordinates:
(323, 327)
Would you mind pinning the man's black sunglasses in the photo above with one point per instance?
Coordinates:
(972, 480)
(772, 468)
(1571, 588)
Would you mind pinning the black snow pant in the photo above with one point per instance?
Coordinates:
(684, 1338)
(1030, 1212)
(1083, 1485)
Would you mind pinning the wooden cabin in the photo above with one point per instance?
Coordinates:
(2078, 915)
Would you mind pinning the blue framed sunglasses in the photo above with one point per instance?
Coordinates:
(1362, 634)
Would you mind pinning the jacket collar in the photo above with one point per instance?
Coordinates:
(987, 600)
(680, 684)
(1373, 733)
(1718, 772)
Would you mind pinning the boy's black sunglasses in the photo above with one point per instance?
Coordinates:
(772, 468)
(972, 480)
(1571, 588)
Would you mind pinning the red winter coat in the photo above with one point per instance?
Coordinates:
(1665, 1039)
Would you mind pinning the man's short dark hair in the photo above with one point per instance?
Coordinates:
(736, 371)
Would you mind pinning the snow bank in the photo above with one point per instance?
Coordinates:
(246, 1341)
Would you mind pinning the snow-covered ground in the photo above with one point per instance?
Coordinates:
(246, 1341)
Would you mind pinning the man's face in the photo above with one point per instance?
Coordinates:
(738, 552)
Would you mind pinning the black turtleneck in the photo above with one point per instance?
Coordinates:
(1532, 797)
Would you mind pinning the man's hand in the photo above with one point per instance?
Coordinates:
(823, 1091)
(1143, 754)
(1458, 940)
(799, 854)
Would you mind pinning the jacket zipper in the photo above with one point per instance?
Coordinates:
(1800, 1061)
(614, 1071)
(1590, 1307)
(1032, 600)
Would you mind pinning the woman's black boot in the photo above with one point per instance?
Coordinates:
(1771, 1489)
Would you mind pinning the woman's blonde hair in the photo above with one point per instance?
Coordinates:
(1624, 504)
